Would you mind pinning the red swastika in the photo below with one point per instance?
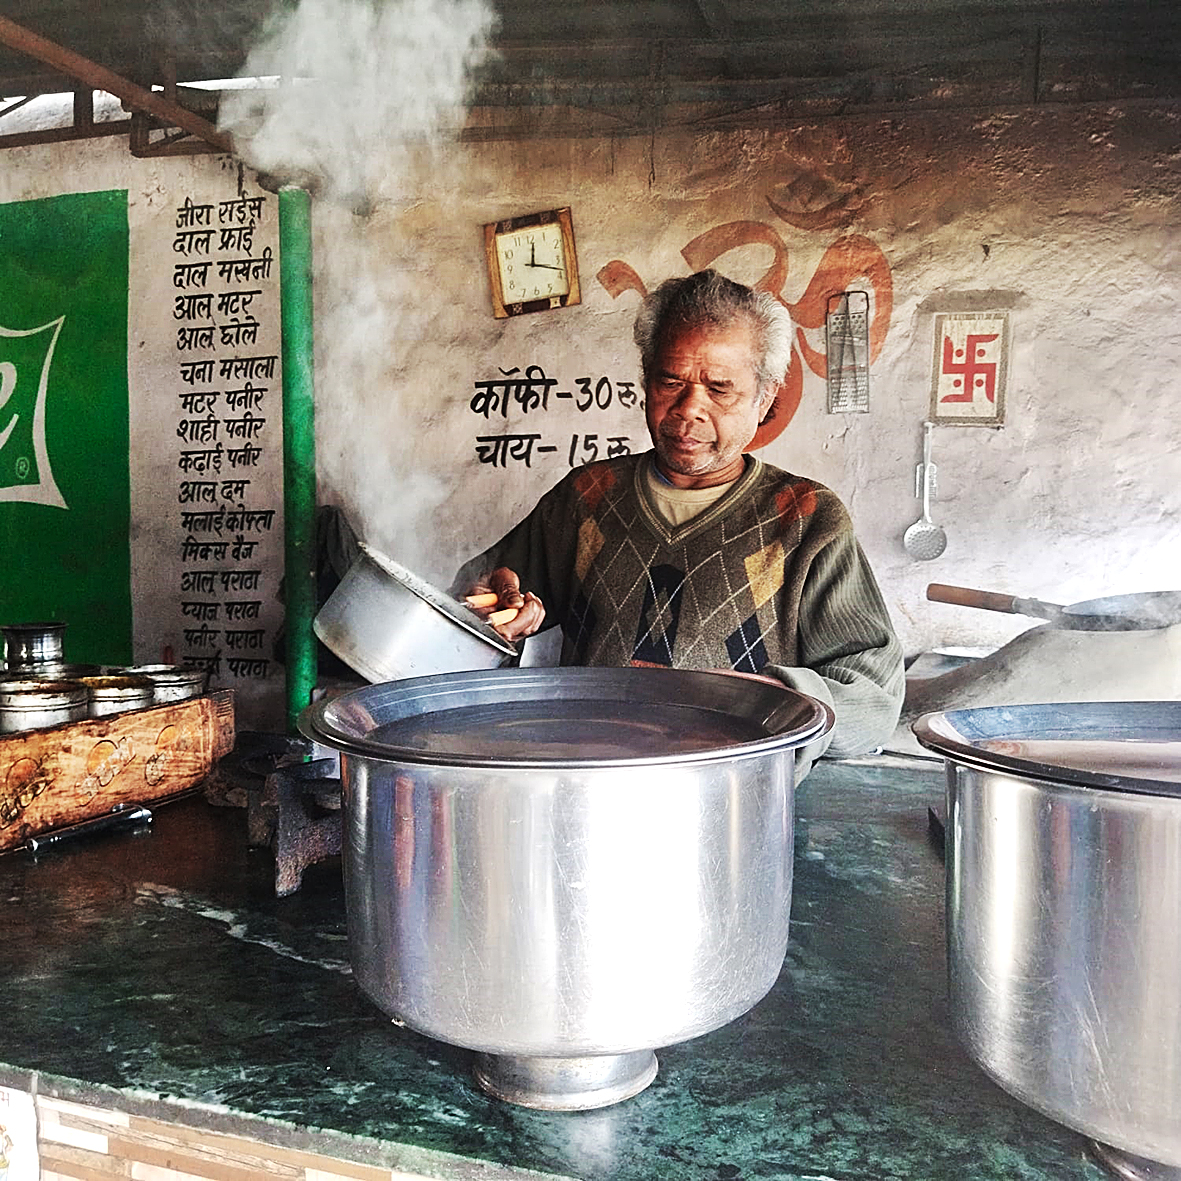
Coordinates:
(973, 372)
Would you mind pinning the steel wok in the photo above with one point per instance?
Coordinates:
(1134, 612)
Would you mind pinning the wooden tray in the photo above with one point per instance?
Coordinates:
(79, 770)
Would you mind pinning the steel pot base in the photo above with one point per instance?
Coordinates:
(565, 1084)
(1129, 1167)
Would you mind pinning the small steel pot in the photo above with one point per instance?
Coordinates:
(170, 682)
(565, 868)
(28, 644)
(117, 694)
(387, 623)
(37, 705)
(1063, 852)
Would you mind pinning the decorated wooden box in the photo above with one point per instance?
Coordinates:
(81, 770)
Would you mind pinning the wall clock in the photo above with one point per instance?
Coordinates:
(532, 265)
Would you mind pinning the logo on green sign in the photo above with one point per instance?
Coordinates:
(25, 358)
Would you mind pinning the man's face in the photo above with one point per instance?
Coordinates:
(701, 402)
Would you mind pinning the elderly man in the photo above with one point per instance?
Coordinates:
(694, 554)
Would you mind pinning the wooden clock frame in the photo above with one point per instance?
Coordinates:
(560, 217)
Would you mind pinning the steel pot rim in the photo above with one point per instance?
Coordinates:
(816, 719)
(17, 691)
(46, 627)
(160, 672)
(955, 734)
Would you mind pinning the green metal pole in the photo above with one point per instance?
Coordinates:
(299, 447)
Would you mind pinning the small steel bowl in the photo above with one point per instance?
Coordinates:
(27, 704)
(116, 695)
(171, 682)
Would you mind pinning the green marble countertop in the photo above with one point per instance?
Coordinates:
(160, 968)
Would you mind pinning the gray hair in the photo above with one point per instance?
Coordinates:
(710, 298)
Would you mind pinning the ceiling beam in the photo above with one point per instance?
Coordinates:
(717, 18)
(58, 135)
(82, 69)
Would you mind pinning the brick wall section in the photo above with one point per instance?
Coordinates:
(78, 1142)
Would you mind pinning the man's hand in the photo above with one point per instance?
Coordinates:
(527, 611)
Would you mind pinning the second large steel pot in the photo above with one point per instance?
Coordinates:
(563, 869)
(1064, 913)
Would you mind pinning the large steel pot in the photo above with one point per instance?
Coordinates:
(1064, 913)
(565, 868)
(387, 623)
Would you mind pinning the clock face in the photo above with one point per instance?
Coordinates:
(532, 263)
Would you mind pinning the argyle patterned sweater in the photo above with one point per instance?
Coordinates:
(769, 579)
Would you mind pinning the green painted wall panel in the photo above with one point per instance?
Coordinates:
(64, 485)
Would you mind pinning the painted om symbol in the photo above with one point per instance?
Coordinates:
(850, 258)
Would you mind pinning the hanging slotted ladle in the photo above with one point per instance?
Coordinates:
(924, 539)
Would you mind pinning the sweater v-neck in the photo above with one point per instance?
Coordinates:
(676, 534)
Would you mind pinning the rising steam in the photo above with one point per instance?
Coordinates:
(356, 80)
(368, 94)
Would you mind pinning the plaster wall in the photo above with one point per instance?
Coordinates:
(182, 590)
(1067, 218)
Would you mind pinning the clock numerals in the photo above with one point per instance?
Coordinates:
(532, 263)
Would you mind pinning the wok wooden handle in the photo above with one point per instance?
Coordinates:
(964, 596)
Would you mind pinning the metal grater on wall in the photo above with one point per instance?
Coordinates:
(847, 341)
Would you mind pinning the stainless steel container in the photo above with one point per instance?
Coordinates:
(170, 682)
(28, 644)
(57, 671)
(563, 869)
(117, 694)
(1064, 913)
(386, 623)
(37, 705)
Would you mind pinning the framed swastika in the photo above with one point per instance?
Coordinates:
(970, 368)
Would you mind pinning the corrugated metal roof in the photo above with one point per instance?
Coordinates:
(637, 62)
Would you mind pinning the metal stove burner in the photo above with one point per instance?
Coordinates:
(293, 805)
(1129, 1167)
